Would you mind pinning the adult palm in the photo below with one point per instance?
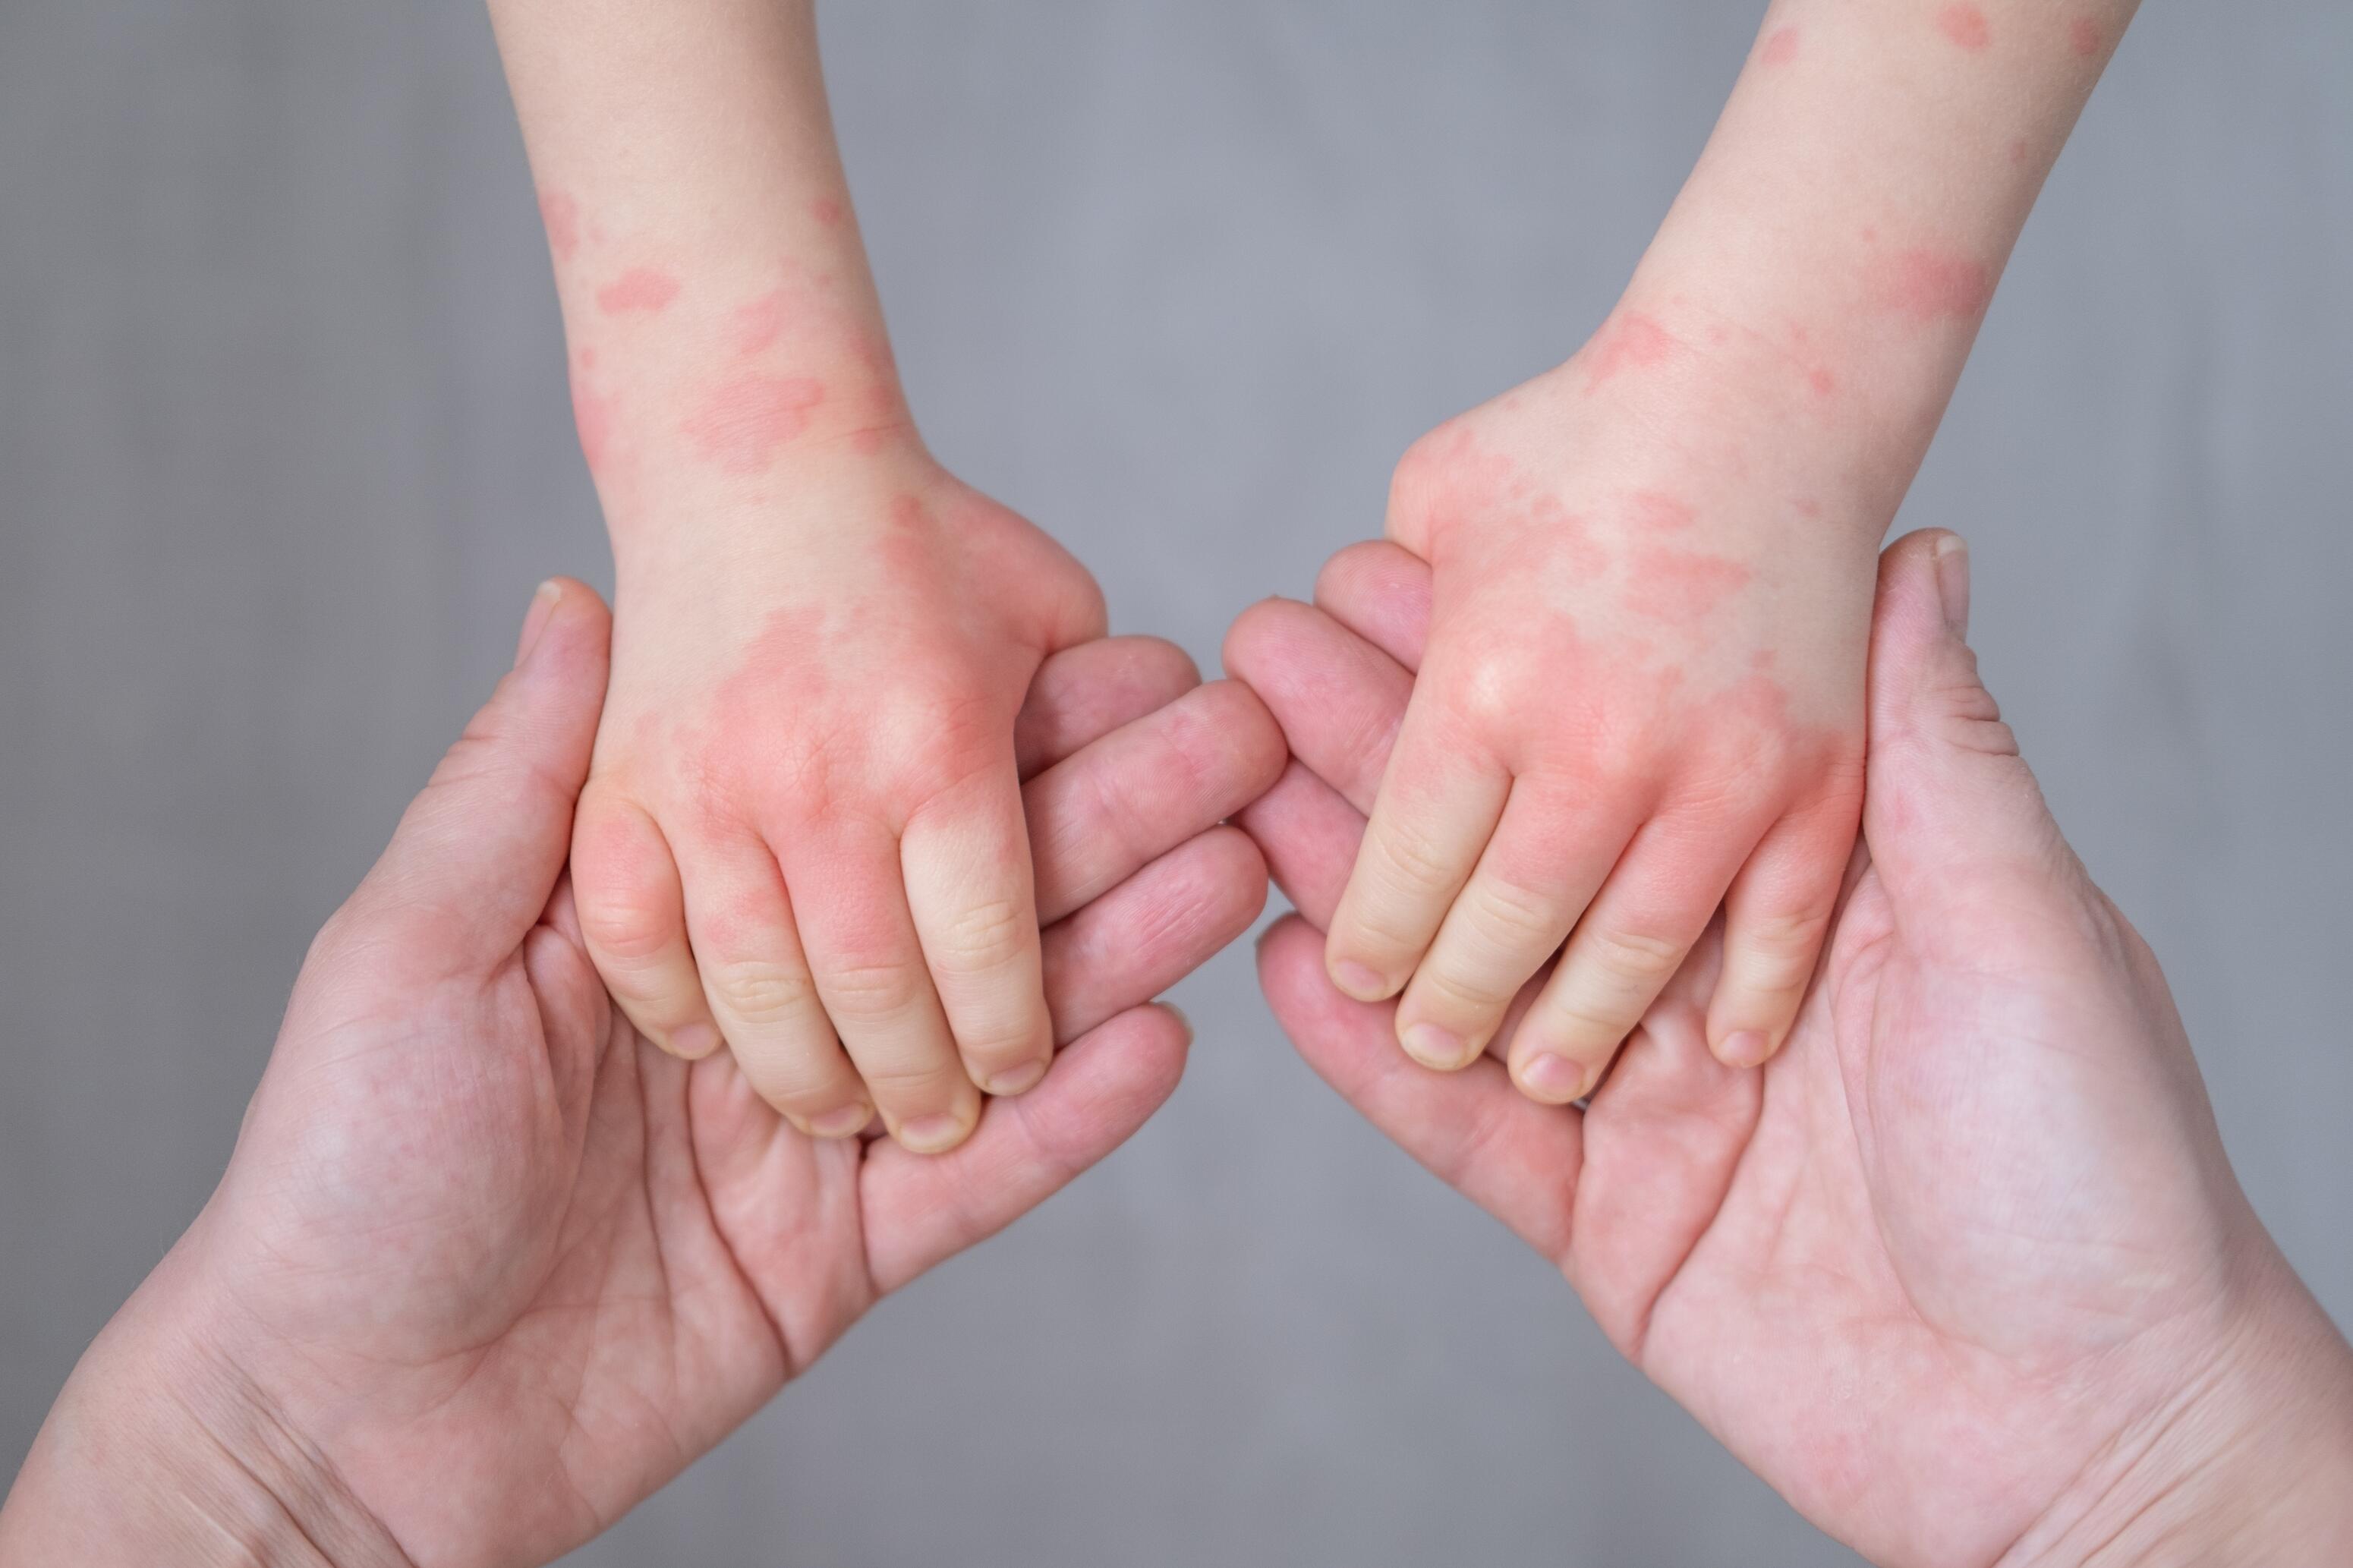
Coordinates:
(1956, 1271)
(496, 1269)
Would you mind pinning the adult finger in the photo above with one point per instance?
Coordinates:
(478, 853)
(1513, 1157)
(916, 1213)
(1084, 693)
(1152, 929)
(1098, 817)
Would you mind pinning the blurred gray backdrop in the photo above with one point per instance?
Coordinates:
(284, 445)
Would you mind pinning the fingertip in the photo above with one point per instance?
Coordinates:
(544, 600)
(1247, 642)
(564, 612)
(1743, 1049)
(1359, 981)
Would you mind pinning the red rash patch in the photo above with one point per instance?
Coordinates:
(1682, 586)
(1966, 26)
(646, 289)
(1633, 341)
(1780, 47)
(1929, 286)
(592, 415)
(561, 215)
(1823, 381)
(1661, 513)
(828, 212)
(2084, 37)
(743, 422)
(760, 324)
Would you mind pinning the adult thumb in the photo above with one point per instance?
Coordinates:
(1948, 795)
(478, 853)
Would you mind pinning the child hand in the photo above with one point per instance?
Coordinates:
(802, 831)
(1643, 698)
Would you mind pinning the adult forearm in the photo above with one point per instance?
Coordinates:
(157, 1451)
(2250, 1462)
(1828, 265)
(721, 314)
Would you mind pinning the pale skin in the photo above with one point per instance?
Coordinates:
(487, 1267)
(1653, 569)
(802, 837)
(1963, 1273)
(1644, 698)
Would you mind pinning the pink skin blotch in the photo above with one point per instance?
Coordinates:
(1682, 586)
(828, 212)
(592, 415)
(742, 424)
(648, 289)
(2084, 37)
(1631, 342)
(1930, 286)
(1823, 381)
(561, 215)
(1966, 26)
(759, 324)
(1780, 47)
(1661, 513)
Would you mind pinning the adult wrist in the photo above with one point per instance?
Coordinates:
(2249, 1463)
(161, 1449)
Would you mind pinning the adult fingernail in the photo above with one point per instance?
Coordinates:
(1360, 981)
(1745, 1049)
(535, 620)
(931, 1134)
(846, 1122)
(694, 1042)
(1434, 1047)
(1952, 582)
(1017, 1080)
(1552, 1078)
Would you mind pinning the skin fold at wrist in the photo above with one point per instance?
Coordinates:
(2243, 1462)
(162, 1448)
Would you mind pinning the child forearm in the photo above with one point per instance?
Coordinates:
(716, 298)
(1830, 261)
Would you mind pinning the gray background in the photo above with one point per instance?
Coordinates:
(284, 445)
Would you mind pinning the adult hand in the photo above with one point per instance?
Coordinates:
(487, 1267)
(1963, 1273)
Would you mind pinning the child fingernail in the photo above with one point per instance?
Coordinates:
(535, 620)
(846, 1122)
(694, 1042)
(1553, 1079)
(1745, 1049)
(1435, 1047)
(1017, 1080)
(931, 1134)
(1360, 981)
